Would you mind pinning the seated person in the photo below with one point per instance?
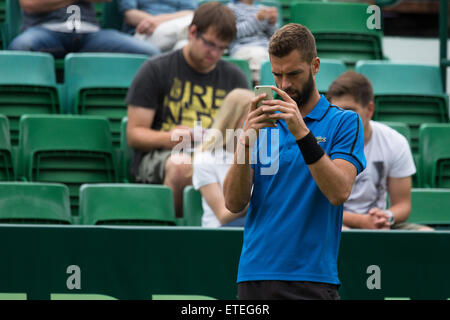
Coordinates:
(163, 23)
(255, 25)
(214, 158)
(62, 26)
(390, 164)
(171, 92)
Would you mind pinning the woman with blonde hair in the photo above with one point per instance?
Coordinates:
(214, 157)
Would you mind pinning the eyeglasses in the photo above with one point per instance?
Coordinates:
(211, 45)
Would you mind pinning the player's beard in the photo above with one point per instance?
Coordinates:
(303, 96)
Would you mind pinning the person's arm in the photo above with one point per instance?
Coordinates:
(238, 183)
(371, 220)
(134, 16)
(141, 137)
(334, 178)
(215, 199)
(399, 190)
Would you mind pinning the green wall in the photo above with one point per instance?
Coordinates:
(184, 262)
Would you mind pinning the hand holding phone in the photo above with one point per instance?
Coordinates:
(264, 89)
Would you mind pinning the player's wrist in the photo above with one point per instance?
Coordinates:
(310, 149)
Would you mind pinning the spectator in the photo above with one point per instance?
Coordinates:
(63, 26)
(390, 164)
(171, 92)
(293, 224)
(214, 158)
(163, 23)
(255, 25)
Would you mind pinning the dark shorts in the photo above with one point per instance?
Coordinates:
(287, 290)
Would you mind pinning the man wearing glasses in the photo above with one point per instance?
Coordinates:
(172, 92)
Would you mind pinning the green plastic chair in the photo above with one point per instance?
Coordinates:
(72, 150)
(27, 86)
(112, 18)
(412, 93)
(192, 207)
(434, 150)
(430, 206)
(13, 21)
(340, 30)
(126, 204)
(126, 152)
(243, 65)
(97, 84)
(6, 162)
(2, 20)
(330, 69)
(42, 203)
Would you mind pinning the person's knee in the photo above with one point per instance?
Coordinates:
(178, 171)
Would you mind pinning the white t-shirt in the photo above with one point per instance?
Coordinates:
(209, 169)
(388, 155)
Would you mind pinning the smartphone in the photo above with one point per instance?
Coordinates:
(264, 89)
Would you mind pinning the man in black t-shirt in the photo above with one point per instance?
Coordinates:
(172, 92)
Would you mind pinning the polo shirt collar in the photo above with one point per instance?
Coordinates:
(319, 109)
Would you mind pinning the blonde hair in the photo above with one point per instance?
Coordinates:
(234, 108)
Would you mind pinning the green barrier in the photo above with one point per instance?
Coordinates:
(93, 262)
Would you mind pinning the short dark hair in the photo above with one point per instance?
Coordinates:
(290, 37)
(219, 17)
(354, 84)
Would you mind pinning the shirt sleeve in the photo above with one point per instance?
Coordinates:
(144, 90)
(125, 5)
(203, 171)
(402, 159)
(188, 5)
(349, 144)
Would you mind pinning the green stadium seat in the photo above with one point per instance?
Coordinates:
(2, 20)
(243, 65)
(97, 84)
(112, 18)
(330, 69)
(126, 152)
(42, 203)
(341, 31)
(430, 206)
(13, 20)
(412, 94)
(192, 207)
(27, 86)
(434, 150)
(6, 162)
(126, 204)
(72, 150)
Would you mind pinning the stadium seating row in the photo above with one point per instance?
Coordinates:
(139, 204)
(74, 150)
(348, 40)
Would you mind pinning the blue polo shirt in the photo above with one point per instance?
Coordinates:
(292, 232)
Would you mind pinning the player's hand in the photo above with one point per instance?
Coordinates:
(256, 120)
(289, 111)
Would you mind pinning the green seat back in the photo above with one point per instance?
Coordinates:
(126, 152)
(97, 84)
(25, 202)
(112, 18)
(412, 94)
(13, 20)
(2, 20)
(137, 204)
(430, 206)
(67, 149)
(6, 163)
(347, 37)
(434, 150)
(330, 69)
(27, 86)
(244, 66)
(192, 207)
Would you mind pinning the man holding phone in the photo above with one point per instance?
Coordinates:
(293, 226)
